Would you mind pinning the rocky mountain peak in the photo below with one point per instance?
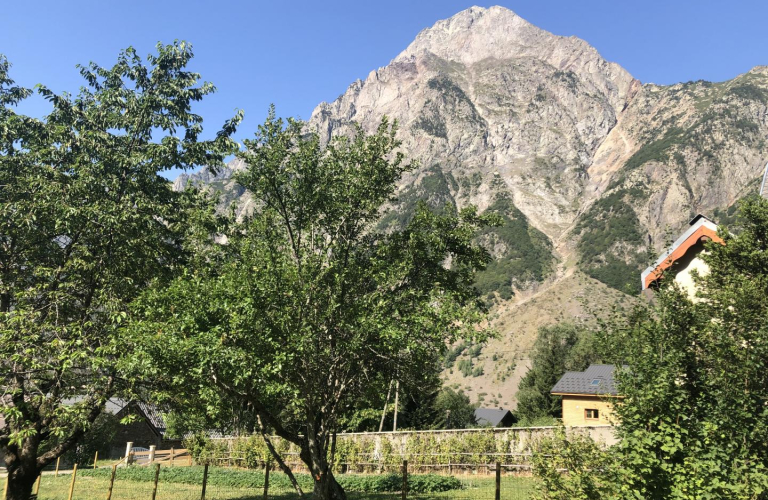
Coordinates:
(477, 34)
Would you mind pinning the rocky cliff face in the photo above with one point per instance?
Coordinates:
(591, 170)
(491, 99)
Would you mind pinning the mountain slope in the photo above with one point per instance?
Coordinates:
(591, 171)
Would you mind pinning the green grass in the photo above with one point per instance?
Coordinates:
(132, 484)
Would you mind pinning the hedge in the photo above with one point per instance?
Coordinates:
(253, 479)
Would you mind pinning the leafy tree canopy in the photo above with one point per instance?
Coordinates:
(312, 306)
(693, 417)
(455, 409)
(86, 223)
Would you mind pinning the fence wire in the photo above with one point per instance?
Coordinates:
(225, 483)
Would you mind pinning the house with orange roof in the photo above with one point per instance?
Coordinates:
(683, 257)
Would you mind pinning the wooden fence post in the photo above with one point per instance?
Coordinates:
(56, 474)
(152, 450)
(95, 458)
(5, 488)
(266, 479)
(37, 484)
(111, 481)
(128, 452)
(72, 484)
(405, 479)
(205, 481)
(498, 480)
(157, 476)
(171, 455)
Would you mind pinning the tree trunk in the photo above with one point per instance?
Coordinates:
(21, 479)
(327, 488)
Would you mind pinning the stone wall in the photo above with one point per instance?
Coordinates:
(508, 440)
(511, 446)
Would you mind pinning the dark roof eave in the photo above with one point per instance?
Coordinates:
(607, 395)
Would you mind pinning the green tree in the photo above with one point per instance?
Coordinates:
(557, 349)
(86, 223)
(313, 305)
(454, 409)
(98, 438)
(694, 419)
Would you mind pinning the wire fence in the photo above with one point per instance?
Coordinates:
(158, 481)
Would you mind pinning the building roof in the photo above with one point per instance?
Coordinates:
(116, 405)
(491, 416)
(701, 227)
(597, 380)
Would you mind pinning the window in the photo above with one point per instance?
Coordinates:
(591, 414)
(596, 381)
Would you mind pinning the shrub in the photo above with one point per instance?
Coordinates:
(574, 468)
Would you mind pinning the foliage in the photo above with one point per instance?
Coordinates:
(417, 483)
(657, 150)
(432, 125)
(179, 423)
(433, 189)
(98, 439)
(574, 467)
(453, 353)
(525, 256)
(694, 410)
(696, 390)
(365, 452)
(86, 223)
(455, 409)
(312, 307)
(557, 349)
(609, 226)
(750, 92)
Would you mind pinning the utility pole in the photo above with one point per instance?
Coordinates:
(397, 394)
(386, 402)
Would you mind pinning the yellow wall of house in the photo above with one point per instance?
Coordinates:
(574, 410)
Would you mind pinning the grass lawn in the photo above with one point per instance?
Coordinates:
(233, 484)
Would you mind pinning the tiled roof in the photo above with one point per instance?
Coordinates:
(595, 380)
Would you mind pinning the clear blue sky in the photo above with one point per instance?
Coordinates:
(298, 53)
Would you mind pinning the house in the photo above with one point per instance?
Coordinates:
(147, 428)
(683, 257)
(494, 417)
(587, 395)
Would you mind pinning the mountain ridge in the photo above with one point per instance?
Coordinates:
(592, 171)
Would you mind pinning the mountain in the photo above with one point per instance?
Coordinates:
(591, 170)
